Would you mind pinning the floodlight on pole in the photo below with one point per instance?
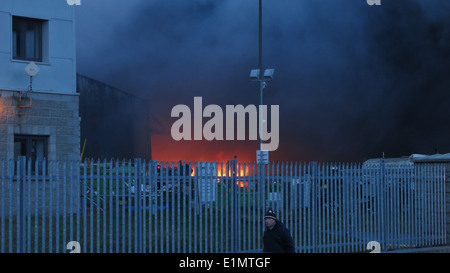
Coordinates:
(268, 74)
(255, 75)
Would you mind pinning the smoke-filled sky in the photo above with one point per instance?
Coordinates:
(352, 81)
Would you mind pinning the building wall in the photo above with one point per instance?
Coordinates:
(58, 69)
(114, 123)
(54, 102)
(52, 115)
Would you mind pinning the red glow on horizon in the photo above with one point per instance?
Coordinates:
(164, 148)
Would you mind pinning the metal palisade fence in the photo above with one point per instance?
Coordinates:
(146, 206)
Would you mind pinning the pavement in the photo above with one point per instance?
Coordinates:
(436, 249)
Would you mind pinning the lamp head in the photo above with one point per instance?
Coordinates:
(268, 74)
(254, 74)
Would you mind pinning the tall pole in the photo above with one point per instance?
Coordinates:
(261, 83)
(260, 37)
(261, 88)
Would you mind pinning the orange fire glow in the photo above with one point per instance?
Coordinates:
(222, 173)
(164, 148)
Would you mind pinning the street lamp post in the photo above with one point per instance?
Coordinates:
(255, 75)
(262, 157)
(262, 85)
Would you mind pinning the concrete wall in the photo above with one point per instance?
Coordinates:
(52, 115)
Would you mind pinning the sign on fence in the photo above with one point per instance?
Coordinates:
(207, 182)
(262, 157)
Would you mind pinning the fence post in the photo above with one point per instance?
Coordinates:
(138, 200)
(314, 185)
(385, 207)
(235, 204)
(231, 176)
(446, 206)
(261, 199)
(21, 178)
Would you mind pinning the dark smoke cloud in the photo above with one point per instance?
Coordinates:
(412, 41)
(352, 80)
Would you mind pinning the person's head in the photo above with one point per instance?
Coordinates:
(270, 219)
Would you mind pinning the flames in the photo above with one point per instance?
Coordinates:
(223, 172)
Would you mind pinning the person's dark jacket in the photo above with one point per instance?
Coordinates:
(278, 239)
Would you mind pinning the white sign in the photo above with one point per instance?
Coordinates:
(74, 2)
(207, 181)
(32, 69)
(262, 157)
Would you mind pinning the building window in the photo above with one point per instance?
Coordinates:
(27, 39)
(31, 147)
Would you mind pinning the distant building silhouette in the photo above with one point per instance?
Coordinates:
(114, 123)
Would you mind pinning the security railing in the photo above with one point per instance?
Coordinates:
(138, 206)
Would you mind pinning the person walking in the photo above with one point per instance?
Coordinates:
(277, 238)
